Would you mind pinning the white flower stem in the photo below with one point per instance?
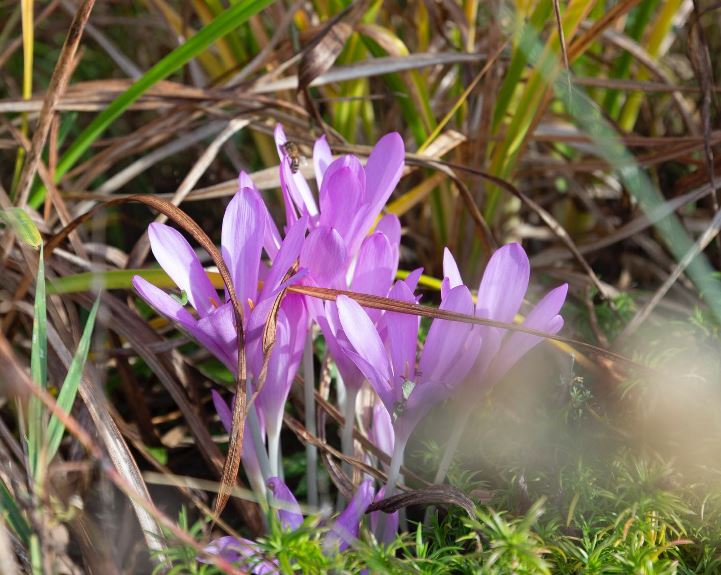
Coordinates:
(348, 425)
(452, 445)
(394, 473)
(448, 454)
(260, 452)
(311, 451)
(274, 450)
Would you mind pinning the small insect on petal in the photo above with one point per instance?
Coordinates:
(293, 154)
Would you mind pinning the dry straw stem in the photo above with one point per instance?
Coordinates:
(58, 83)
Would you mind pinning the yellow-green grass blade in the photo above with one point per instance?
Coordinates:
(638, 21)
(23, 226)
(115, 279)
(69, 390)
(39, 371)
(660, 29)
(121, 279)
(28, 28)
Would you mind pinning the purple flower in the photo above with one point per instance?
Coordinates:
(246, 229)
(243, 552)
(500, 295)
(389, 522)
(338, 253)
(350, 195)
(386, 355)
(346, 526)
(341, 534)
(288, 509)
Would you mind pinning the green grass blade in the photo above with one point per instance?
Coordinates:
(12, 515)
(226, 22)
(20, 222)
(639, 20)
(114, 279)
(68, 392)
(39, 370)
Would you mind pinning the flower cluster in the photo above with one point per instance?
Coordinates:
(342, 242)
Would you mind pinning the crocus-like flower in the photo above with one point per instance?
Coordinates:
(500, 295)
(246, 229)
(289, 513)
(247, 553)
(243, 552)
(342, 533)
(387, 355)
(338, 253)
(345, 528)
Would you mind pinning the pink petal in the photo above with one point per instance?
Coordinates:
(217, 332)
(245, 553)
(374, 269)
(367, 350)
(298, 190)
(242, 241)
(400, 332)
(330, 326)
(223, 411)
(450, 273)
(341, 195)
(296, 185)
(322, 158)
(345, 528)
(446, 340)
(504, 284)
(324, 256)
(413, 278)
(170, 308)
(383, 170)
(271, 399)
(181, 263)
(271, 239)
(162, 302)
(544, 317)
(286, 256)
(390, 225)
(288, 509)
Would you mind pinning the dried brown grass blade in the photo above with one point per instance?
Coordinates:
(433, 495)
(58, 83)
(325, 47)
(376, 302)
